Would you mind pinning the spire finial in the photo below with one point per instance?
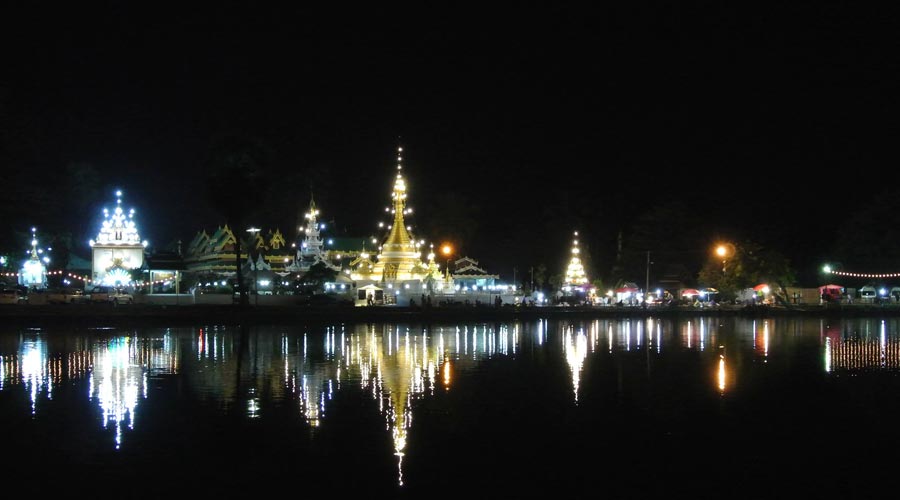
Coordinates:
(34, 242)
(399, 158)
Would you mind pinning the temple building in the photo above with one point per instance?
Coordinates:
(34, 270)
(267, 257)
(468, 276)
(118, 248)
(398, 268)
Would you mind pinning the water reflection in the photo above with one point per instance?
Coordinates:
(854, 346)
(243, 371)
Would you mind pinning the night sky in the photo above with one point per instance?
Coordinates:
(770, 122)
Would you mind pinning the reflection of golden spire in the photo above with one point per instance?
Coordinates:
(399, 239)
(398, 373)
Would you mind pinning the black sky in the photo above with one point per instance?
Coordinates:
(542, 120)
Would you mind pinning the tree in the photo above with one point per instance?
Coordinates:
(236, 187)
(316, 277)
(751, 264)
(671, 233)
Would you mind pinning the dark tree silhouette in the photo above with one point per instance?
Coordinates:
(237, 184)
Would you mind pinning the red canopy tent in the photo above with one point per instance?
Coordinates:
(760, 287)
(689, 292)
(831, 292)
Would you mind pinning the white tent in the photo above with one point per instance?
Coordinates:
(364, 293)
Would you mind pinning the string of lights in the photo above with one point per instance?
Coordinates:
(861, 275)
(87, 280)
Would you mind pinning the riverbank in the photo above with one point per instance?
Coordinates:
(144, 314)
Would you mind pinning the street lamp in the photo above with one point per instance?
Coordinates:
(253, 230)
(721, 251)
(447, 250)
(725, 250)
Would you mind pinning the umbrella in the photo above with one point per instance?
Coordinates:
(830, 287)
(689, 292)
(761, 288)
(711, 290)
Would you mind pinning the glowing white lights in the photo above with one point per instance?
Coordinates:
(828, 269)
(575, 274)
(34, 272)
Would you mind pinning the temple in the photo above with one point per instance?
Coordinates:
(269, 261)
(398, 269)
(118, 248)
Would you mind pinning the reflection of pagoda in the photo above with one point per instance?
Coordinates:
(575, 346)
(118, 248)
(34, 272)
(399, 264)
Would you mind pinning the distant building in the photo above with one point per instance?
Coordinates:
(468, 276)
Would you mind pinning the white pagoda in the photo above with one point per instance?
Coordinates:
(34, 270)
(311, 250)
(118, 248)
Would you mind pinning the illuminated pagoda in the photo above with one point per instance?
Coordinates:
(312, 248)
(34, 270)
(398, 267)
(118, 248)
(575, 282)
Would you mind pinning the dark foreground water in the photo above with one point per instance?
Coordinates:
(706, 407)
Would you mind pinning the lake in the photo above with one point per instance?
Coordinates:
(722, 407)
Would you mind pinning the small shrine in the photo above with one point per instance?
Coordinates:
(34, 269)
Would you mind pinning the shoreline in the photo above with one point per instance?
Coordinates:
(142, 314)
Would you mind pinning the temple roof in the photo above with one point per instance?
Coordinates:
(198, 245)
(222, 237)
(118, 227)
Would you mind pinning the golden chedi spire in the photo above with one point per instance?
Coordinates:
(399, 240)
(399, 257)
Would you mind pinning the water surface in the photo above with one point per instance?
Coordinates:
(708, 407)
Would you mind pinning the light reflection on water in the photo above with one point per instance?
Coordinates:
(399, 365)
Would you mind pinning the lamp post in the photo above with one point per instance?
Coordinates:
(722, 251)
(647, 279)
(447, 250)
(253, 230)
